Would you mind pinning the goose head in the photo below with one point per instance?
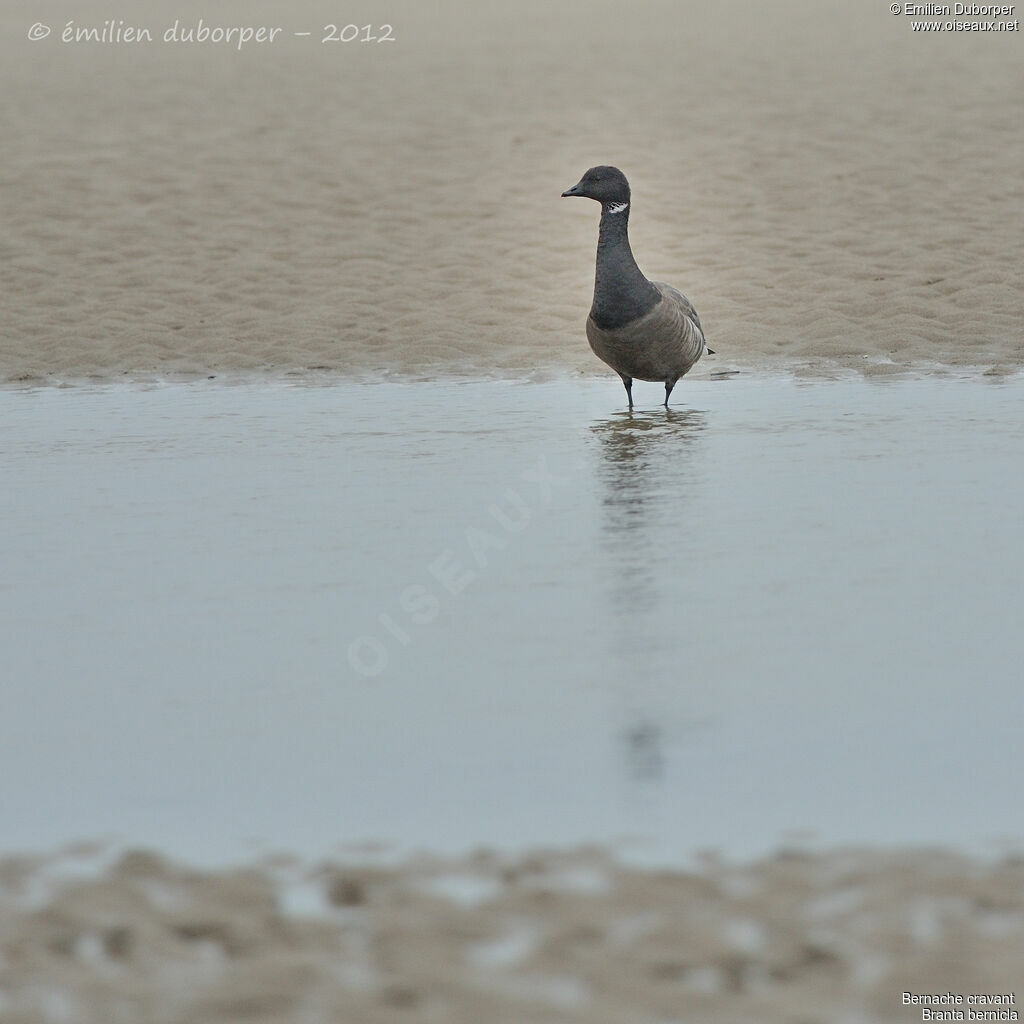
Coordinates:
(607, 185)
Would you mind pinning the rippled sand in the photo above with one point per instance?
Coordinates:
(560, 937)
(828, 187)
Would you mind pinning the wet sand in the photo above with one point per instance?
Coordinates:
(829, 188)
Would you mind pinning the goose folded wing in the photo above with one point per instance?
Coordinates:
(684, 304)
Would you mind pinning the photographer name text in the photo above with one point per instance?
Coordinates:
(115, 31)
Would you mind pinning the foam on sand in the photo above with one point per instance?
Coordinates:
(552, 936)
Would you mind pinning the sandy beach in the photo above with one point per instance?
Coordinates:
(828, 186)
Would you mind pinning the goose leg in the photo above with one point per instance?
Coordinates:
(628, 381)
(669, 385)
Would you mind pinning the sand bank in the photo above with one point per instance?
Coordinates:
(829, 187)
(570, 936)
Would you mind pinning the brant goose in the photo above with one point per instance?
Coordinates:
(640, 328)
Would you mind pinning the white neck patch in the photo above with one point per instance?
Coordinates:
(617, 207)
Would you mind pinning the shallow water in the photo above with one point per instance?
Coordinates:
(450, 613)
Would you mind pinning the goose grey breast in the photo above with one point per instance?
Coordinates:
(662, 344)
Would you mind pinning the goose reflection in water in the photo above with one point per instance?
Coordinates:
(649, 470)
(647, 476)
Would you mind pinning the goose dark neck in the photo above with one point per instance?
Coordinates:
(621, 292)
